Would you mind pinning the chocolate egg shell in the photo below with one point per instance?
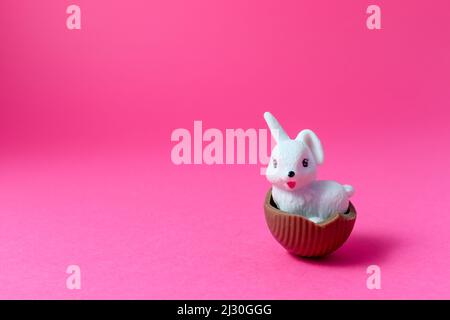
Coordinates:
(302, 237)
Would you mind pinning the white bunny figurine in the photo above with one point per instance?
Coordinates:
(292, 172)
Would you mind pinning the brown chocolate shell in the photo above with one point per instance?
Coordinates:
(304, 238)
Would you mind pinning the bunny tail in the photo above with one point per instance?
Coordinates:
(349, 190)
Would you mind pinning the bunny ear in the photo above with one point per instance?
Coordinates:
(276, 129)
(312, 141)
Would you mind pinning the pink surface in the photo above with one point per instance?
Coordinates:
(85, 121)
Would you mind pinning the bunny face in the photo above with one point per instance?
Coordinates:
(291, 166)
(293, 162)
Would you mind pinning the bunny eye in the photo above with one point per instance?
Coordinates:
(305, 162)
(275, 163)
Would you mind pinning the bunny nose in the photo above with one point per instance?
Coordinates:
(291, 174)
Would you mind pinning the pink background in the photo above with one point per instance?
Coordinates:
(85, 121)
